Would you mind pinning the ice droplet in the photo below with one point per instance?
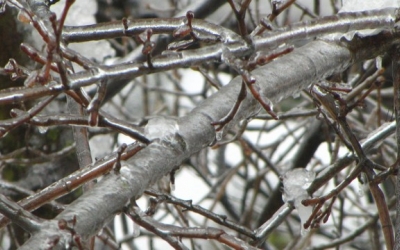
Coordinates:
(218, 135)
(42, 129)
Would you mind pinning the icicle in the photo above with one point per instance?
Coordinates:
(295, 184)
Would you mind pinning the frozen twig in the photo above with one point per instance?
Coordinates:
(340, 23)
(171, 232)
(371, 222)
(71, 182)
(193, 132)
(223, 40)
(337, 109)
(187, 205)
(21, 116)
(264, 230)
(18, 215)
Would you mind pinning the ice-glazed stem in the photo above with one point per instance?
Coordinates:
(340, 23)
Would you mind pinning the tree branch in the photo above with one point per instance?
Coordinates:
(281, 78)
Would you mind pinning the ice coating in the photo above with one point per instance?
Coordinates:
(295, 183)
(125, 172)
(362, 5)
(165, 132)
(161, 127)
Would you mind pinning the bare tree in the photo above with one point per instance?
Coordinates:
(226, 100)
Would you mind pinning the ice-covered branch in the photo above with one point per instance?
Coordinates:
(340, 23)
(277, 80)
(223, 41)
